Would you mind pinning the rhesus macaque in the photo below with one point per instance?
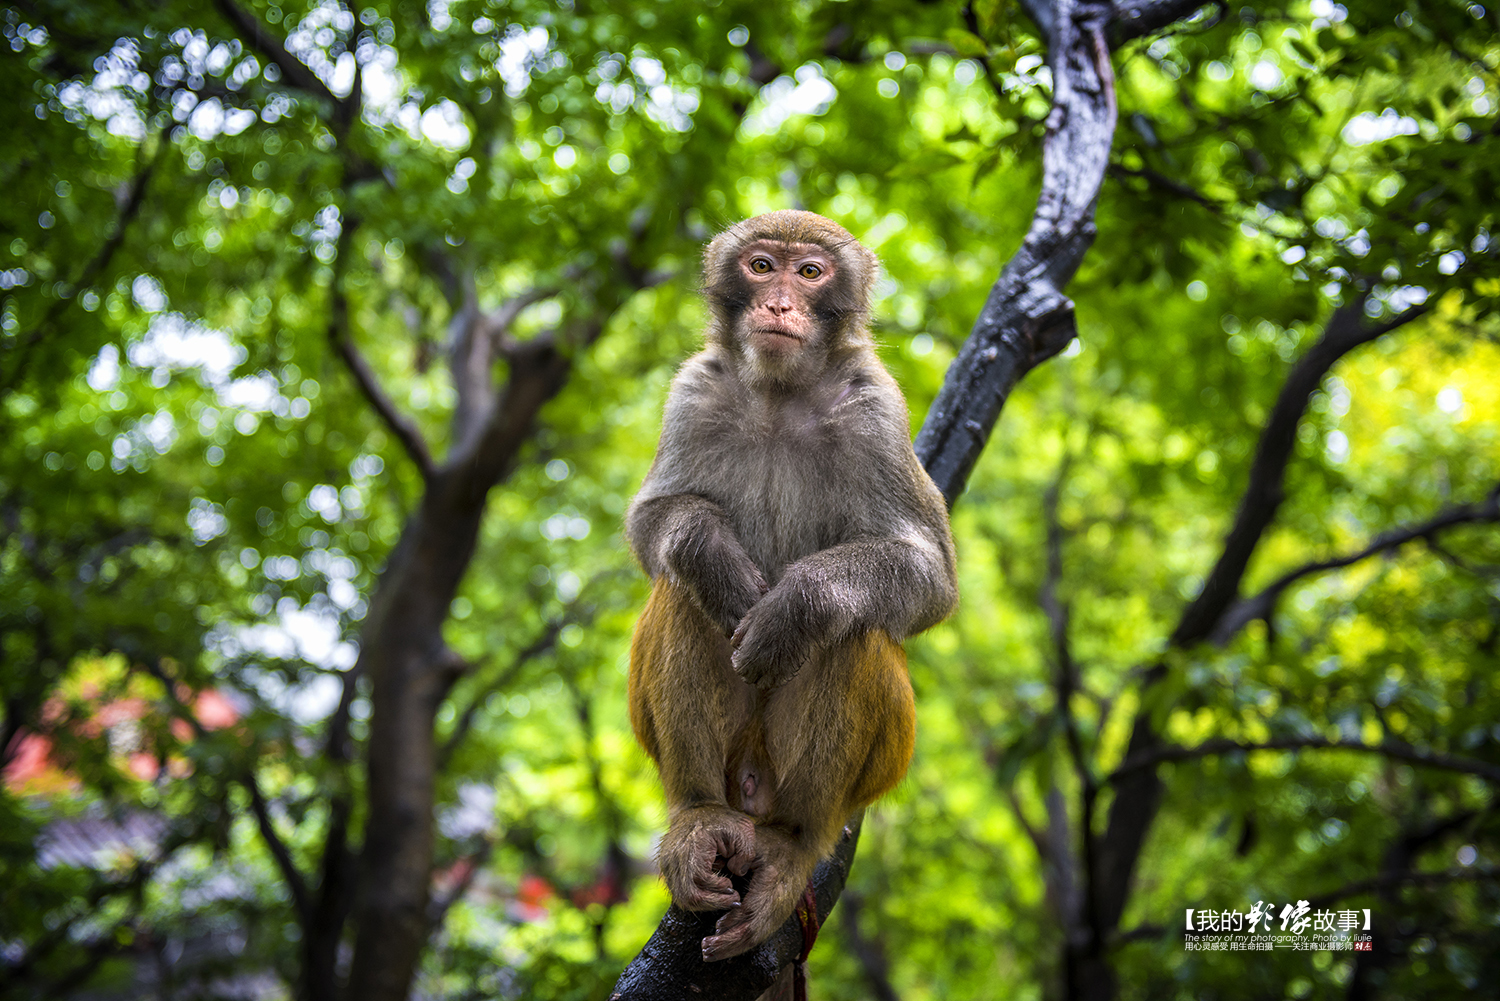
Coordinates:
(793, 541)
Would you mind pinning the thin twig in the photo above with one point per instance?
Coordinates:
(129, 210)
(400, 425)
(295, 881)
(1448, 762)
(1389, 880)
(1263, 604)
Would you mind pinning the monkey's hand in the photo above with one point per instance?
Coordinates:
(721, 578)
(776, 638)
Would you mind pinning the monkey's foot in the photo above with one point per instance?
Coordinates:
(780, 876)
(704, 845)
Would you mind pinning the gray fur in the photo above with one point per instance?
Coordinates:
(789, 502)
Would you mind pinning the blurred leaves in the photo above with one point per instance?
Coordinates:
(194, 494)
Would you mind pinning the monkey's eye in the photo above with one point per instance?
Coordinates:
(809, 271)
(761, 265)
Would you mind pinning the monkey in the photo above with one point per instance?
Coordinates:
(793, 541)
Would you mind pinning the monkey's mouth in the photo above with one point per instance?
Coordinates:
(779, 332)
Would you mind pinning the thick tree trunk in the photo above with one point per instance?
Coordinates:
(410, 672)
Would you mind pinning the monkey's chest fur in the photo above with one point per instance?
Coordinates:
(791, 477)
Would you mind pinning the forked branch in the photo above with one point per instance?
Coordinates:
(1347, 329)
(1263, 605)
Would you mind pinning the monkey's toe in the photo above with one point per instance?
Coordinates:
(735, 933)
(699, 852)
(767, 904)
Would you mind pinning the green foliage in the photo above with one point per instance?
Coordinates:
(196, 497)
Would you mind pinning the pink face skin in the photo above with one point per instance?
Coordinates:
(785, 280)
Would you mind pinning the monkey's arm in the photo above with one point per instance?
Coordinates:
(688, 538)
(900, 584)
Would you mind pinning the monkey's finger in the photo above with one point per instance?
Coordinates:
(737, 849)
(713, 892)
(740, 863)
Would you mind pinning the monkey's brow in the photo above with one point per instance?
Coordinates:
(787, 241)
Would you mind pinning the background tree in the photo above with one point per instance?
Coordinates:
(310, 307)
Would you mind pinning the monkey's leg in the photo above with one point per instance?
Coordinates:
(839, 735)
(686, 706)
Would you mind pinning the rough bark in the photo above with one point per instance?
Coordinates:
(1026, 319)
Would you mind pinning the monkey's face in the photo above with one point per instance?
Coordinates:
(784, 284)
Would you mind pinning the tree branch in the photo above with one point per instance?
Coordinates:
(869, 951)
(129, 207)
(1389, 880)
(1159, 180)
(1138, 18)
(295, 881)
(1026, 318)
(536, 648)
(671, 966)
(1448, 762)
(438, 907)
(476, 338)
(339, 336)
(1347, 329)
(1263, 605)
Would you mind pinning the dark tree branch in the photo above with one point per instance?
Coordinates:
(546, 641)
(1059, 613)
(1075, 899)
(1035, 836)
(1347, 329)
(128, 209)
(321, 915)
(1026, 318)
(1391, 880)
(1138, 789)
(1263, 605)
(438, 910)
(296, 883)
(1138, 18)
(1431, 759)
(869, 951)
(1159, 180)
